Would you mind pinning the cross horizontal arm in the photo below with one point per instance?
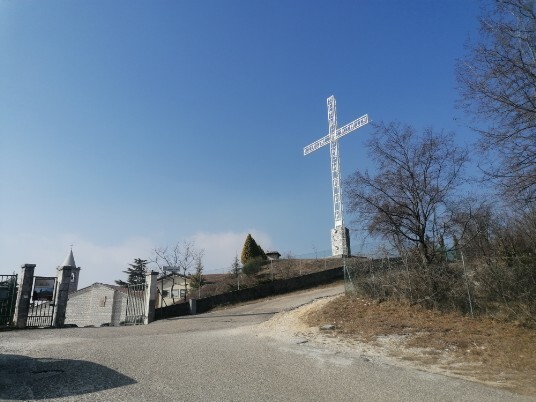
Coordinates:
(357, 123)
(316, 145)
(341, 132)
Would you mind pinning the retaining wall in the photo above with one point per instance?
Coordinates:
(275, 287)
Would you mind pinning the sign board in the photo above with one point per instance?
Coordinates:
(43, 288)
(171, 269)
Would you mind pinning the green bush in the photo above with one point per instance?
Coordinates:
(253, 266)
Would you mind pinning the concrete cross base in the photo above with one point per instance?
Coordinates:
(340, 242)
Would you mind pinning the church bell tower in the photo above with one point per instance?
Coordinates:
(75, 271)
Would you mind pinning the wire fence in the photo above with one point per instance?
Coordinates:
(474, 284)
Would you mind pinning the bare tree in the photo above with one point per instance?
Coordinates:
(498, 85)
(409, 198)
(315, 250)
(499, 247)
(198, 280)
(287, 264)
(183, 255)
(474, 230)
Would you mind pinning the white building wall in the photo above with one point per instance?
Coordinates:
(169, 286)
(95, 305)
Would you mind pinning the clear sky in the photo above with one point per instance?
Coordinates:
(130, 125)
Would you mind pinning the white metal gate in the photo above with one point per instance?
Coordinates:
(135, 311)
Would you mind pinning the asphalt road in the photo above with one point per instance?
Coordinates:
(211, 357)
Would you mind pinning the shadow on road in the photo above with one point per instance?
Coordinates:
(26, 378)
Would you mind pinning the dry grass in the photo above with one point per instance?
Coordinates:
(277, 269)
(497, 353)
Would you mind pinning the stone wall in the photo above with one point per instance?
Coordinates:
(276, 287)
(96, 305)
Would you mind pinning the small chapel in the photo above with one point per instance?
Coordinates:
(95, 305)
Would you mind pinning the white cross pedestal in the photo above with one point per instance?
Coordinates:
(340, 235)
(340, 242)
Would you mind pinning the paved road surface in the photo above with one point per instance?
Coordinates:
(210, 357)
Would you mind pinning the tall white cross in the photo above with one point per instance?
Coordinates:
(332, 138)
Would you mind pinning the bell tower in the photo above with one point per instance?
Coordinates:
(75, 271)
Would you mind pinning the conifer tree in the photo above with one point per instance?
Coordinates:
(235, 271)
(251, 251)
(136, 273)
(197, 279)
(235, 267)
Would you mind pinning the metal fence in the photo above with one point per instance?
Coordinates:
(8, 297)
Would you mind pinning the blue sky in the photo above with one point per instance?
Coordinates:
(130, 125)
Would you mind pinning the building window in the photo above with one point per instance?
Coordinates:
(178, 293)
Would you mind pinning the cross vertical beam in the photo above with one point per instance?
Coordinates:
(340, 240)
(335, 161)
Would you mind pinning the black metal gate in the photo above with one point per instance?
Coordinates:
(135, 311)
(41, 312)
(8, 298)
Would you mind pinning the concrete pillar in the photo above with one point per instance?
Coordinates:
(62, 295)
(150, 297)
(193, 306)
(22, 305)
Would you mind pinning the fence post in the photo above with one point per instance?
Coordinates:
(150, 297)
(467, 285)
(22, 305)
(62, 295)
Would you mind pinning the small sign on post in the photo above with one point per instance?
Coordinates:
(171, 269)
